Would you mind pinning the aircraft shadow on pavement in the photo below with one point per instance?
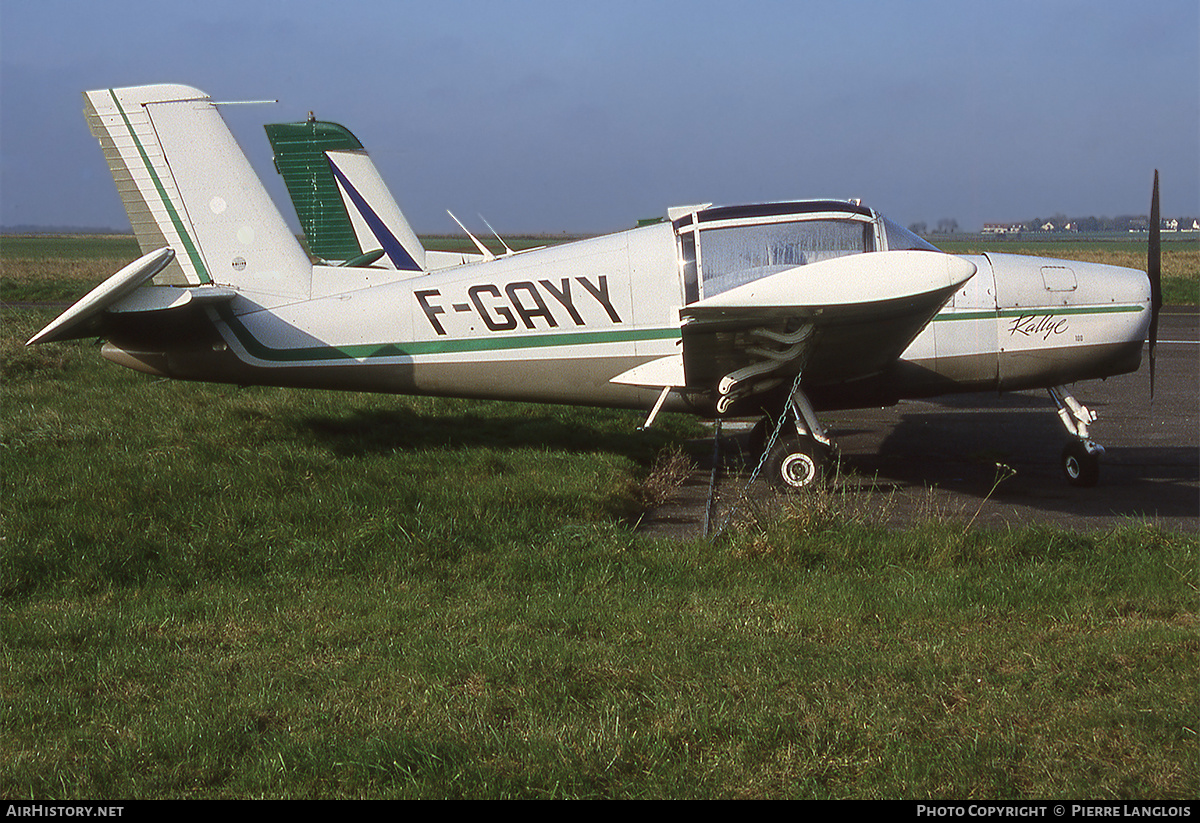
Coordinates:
(960, 455)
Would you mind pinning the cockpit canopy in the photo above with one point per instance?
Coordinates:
(727, 246)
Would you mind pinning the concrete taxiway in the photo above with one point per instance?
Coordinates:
(943, 457)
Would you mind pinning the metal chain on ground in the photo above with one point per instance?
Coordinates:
(712, 477)
(762, 461)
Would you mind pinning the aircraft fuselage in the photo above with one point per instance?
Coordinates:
(558, 324)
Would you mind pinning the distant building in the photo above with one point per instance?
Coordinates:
(1134, 224)
(1002, 228)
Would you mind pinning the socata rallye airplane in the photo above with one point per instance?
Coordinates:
(769, 310)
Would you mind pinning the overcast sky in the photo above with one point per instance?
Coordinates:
(549, 117)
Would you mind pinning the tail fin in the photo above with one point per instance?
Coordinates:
(186, 184)
(343, 204)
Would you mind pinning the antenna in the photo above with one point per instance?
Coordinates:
(245, 103)
(507, 250)
(487, 255)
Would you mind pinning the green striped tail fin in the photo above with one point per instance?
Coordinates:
(300, 159)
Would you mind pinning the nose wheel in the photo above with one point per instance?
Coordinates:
(1081, 462)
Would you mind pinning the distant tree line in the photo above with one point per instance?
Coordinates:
(947, 225)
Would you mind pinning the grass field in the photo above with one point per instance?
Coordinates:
(83, 261)
(209, 592)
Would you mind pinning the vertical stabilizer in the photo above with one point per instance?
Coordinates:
(186, 184)
(373, 209)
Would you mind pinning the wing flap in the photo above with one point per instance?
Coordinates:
(665, 371)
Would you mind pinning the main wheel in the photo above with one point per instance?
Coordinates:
(757, 440)
(795, 463)
(1081, 467)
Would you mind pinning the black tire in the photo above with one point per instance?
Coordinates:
(1081, 467)
(756, 441)
(796, 464)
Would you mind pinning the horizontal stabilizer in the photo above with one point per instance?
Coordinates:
(300, 159)
(165, 298)
(80, 320)
(343, 204)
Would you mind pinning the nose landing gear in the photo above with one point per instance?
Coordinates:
(1081, 456)
(1081, 462)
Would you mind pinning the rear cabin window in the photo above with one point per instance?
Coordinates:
(735, 255)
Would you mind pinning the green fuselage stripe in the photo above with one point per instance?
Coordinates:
(1041, 311)
(188, 245)
(369, 351)
(416, 348)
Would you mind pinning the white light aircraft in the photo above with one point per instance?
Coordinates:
(770, 310)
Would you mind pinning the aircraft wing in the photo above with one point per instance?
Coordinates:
(837, 320)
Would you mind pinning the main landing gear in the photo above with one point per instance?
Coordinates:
(797, 462)
(795, 451)
(1081, 456)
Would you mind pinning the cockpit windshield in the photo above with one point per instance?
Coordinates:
(735, 255)
(726, 247)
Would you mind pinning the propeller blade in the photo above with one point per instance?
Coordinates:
(1154, 272)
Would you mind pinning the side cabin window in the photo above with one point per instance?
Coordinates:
(731, 256)
(687, 262)
(901, 239)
